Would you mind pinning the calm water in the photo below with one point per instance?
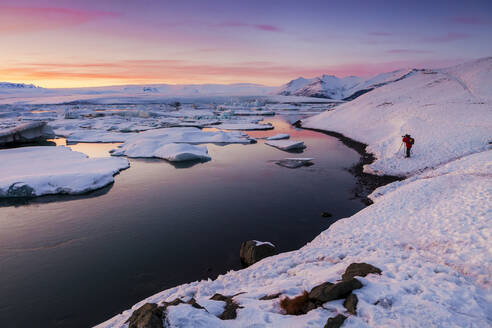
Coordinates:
(77, 261)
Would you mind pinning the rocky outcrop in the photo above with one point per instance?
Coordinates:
(253, 251)
(359, 269)
(28, 132)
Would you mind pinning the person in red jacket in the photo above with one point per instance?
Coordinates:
(408, 141)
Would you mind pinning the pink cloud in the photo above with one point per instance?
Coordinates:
(449, 37)
(407, 51)
(26, 19)
(470, 20)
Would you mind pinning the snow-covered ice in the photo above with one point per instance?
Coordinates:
(286, 144)
(174, 152)
(26, 132)
(42, 170)
(146, 144)
(294, 163)
(243, 126)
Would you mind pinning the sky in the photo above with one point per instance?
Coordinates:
(61, 43)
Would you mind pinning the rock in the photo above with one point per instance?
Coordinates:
(230, 308)
(335, 322)
(294, 163)
(148, 315)
(350, 304)
(328, 292)
(253, 251)
(359, 269)
(270, 297)
(28, 132)
(298, 305)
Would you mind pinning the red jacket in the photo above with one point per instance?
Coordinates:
(407, 142)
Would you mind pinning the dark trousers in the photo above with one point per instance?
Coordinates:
(408, 151)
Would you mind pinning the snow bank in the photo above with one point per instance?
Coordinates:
(146, 144)
(448, 112)
(430, 236)
(36, 171)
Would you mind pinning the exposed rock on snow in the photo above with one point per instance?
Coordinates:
(279, 136)
(335, 322)
(230, 309)
(329, 292)
(447, 112)
(148, 315)
(253, 251)
(286, 144)
(359, 269)
(293, 163)
(350, 303)
(148, 143)
(27, 132)
(174, 152)
(36, 171)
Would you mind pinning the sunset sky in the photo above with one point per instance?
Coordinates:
(61, 43)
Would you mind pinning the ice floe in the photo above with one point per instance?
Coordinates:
(286, 144)
(42, 170)
(294, 163)
(175, 152)
(26, 132)
(279, 136)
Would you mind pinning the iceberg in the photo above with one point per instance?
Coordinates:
(27, 132)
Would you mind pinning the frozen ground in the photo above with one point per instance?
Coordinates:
(36, 171)
(429, 234)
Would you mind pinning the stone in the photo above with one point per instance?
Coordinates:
(359, 269)
(328, 292)
(148, 315)
(350, 304)
(335, 322)
(270, 297)
(230, 310)
(253, 251)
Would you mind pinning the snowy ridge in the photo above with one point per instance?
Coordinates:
(447, 111)
(347, 88)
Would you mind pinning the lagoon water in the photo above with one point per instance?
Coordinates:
(75, 261)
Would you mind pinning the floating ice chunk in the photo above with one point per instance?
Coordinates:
(26, 133)
(286, 144)
(279, 136)
(175, 152)
(244, 126)
(98, 136)
(36, 171)
(145, 144)
(293, 163)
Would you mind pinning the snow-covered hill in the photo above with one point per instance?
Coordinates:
(447, 111)
(347, 88)
(9, 85)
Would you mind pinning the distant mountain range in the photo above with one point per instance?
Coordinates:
(8, 85)
(347, 88)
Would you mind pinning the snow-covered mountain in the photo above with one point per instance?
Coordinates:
(9, 85)
(347, 88)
